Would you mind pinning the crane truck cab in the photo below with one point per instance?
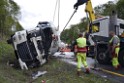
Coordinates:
(98, 33)
(101, 37)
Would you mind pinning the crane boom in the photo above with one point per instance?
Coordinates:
(90, 14)
(89, 10)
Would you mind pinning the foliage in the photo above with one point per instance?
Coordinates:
(9, 13)
(105, 9)
(120, 9)
(71, 34)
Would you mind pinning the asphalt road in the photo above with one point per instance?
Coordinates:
(105, 71)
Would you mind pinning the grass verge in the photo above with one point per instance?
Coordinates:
(58, 71)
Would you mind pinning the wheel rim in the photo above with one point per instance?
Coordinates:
(102, 56)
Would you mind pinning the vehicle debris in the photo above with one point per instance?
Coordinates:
(64, 55)
(37, 74)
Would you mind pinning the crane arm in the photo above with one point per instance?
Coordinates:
(89, 10)
(91, 16)
(90, 13)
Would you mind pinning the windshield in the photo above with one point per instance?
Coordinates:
(95, 27)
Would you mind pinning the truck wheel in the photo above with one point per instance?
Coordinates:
(121, 57)
(102, 57)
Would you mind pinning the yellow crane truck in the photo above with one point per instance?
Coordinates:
(98, 33)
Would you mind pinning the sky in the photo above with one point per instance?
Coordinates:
(33, 11)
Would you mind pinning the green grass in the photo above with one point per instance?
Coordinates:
(60, 72)
(57, 71)
(6, 51)
(7, 73)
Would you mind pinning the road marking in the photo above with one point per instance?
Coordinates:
(111, 72)
(104, 70)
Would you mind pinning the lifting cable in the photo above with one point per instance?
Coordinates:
(55, 10)
(58, 13)
(70, 19)
(57, 4)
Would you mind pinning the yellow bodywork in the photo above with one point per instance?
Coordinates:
(89, 10)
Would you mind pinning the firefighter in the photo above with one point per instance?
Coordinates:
(81, 50)
(115, 46)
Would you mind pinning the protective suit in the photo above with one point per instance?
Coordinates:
(115, 43)
(81, 54)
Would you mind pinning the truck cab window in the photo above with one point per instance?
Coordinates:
(96, 27)
(121, 26)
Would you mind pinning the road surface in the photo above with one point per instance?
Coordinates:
(105, 71)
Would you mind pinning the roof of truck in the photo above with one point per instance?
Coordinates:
(106, 17)
(100, 19)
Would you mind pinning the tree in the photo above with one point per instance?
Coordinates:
(71, 34)
(105, 9)
(120, 8)
(9, 13)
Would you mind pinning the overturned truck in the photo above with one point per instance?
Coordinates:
(32, 47)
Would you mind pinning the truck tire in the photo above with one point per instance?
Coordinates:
(102, 57)
(121, 57)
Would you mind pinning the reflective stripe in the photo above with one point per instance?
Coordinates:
(82, 50)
